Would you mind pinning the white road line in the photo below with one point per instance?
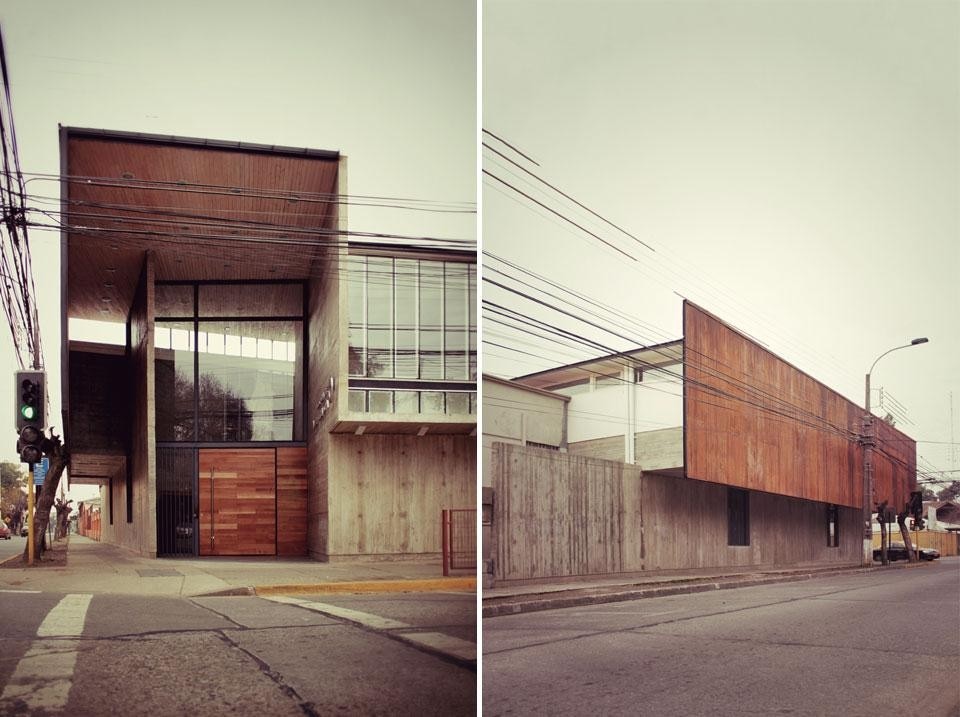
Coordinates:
(22, 592)
(44, 675)
(447, 644)
(436, 641)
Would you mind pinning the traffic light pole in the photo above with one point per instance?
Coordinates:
(30, 524)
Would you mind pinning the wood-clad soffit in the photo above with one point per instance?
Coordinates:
(208, 211)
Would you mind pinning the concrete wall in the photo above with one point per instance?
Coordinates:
(654, 450)
(324, 361)
(140, 532)
(513, 413)
(605, 410)
(386, 492)
(558, 515)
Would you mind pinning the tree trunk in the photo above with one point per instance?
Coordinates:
(904, 531)
(58, 462)
(882, 517)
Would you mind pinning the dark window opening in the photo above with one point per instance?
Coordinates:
(738, 517)
(833, 526)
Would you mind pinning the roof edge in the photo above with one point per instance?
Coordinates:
(180, 141)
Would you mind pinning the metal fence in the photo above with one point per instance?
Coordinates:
(459, 531)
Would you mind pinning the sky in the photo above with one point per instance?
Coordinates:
(390, 85)
(791, 166)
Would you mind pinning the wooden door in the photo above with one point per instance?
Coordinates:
(238, 501)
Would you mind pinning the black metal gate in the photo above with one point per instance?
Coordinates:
(177, 529)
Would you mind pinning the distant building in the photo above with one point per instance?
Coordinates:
(283, 389)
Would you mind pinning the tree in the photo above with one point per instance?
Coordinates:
(59, 460)
(928, 494)
(951, 492)
(13, 491)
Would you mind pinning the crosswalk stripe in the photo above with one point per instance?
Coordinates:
(44, 675)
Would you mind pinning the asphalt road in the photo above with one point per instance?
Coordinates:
(886, 642)
(117, 655)
(14, 546)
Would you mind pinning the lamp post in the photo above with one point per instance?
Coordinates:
(868, 443)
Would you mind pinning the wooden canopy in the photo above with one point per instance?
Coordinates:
(208, 210)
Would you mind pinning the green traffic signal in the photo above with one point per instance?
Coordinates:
(28, 412)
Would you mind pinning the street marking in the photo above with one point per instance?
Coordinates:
(44, 675)
(447, 644)
(433, 641)
(22, 592)
(362, 618)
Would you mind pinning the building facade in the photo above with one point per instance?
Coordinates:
(705, 452)
(283, 388)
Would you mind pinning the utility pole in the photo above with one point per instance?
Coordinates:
(869, 441)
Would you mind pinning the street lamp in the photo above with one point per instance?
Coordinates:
(869, 440)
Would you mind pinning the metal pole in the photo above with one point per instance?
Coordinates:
(867, 557)
(30, 526)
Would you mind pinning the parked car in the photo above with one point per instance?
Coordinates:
(24, 530)
(898, 551)
(4, 531)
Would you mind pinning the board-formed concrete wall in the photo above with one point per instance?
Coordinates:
(386, 492)
(558, 515)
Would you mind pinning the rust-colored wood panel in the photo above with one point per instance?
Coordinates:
(191, 204)
(292, 501)
(754, 421)
(238, 501)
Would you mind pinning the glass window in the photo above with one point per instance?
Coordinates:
(738, 517)
(431, 357)
(173, 381)
(406, 401)
(381, 401)
(379, 293)
(455, 295)
(458, 402)
(245, 394)
(431, 295)
(357, 401)
(230, 300)
(455, 355)
(431, 402)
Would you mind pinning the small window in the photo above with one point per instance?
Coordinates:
(738, 517)
(833, 526)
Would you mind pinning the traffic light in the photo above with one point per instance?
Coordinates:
(30, 395)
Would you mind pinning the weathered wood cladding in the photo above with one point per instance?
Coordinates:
(754, 421)
(560, 515)
(292, 501)
(894, 466)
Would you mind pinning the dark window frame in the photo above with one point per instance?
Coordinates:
(738, 517)
(833, 526)
(197, 318)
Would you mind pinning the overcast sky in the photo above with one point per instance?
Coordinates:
(795, 167)
(391, 85)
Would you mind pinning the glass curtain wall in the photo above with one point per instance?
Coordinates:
(229, 362)
(412, 338)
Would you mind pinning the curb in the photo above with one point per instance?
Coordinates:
(578, 597)
(363, 587)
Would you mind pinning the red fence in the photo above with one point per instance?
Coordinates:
(459, 530)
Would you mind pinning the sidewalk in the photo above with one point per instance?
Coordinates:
(95, 567)
(519, 598)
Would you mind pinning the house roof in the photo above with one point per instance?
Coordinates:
(663, 354)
